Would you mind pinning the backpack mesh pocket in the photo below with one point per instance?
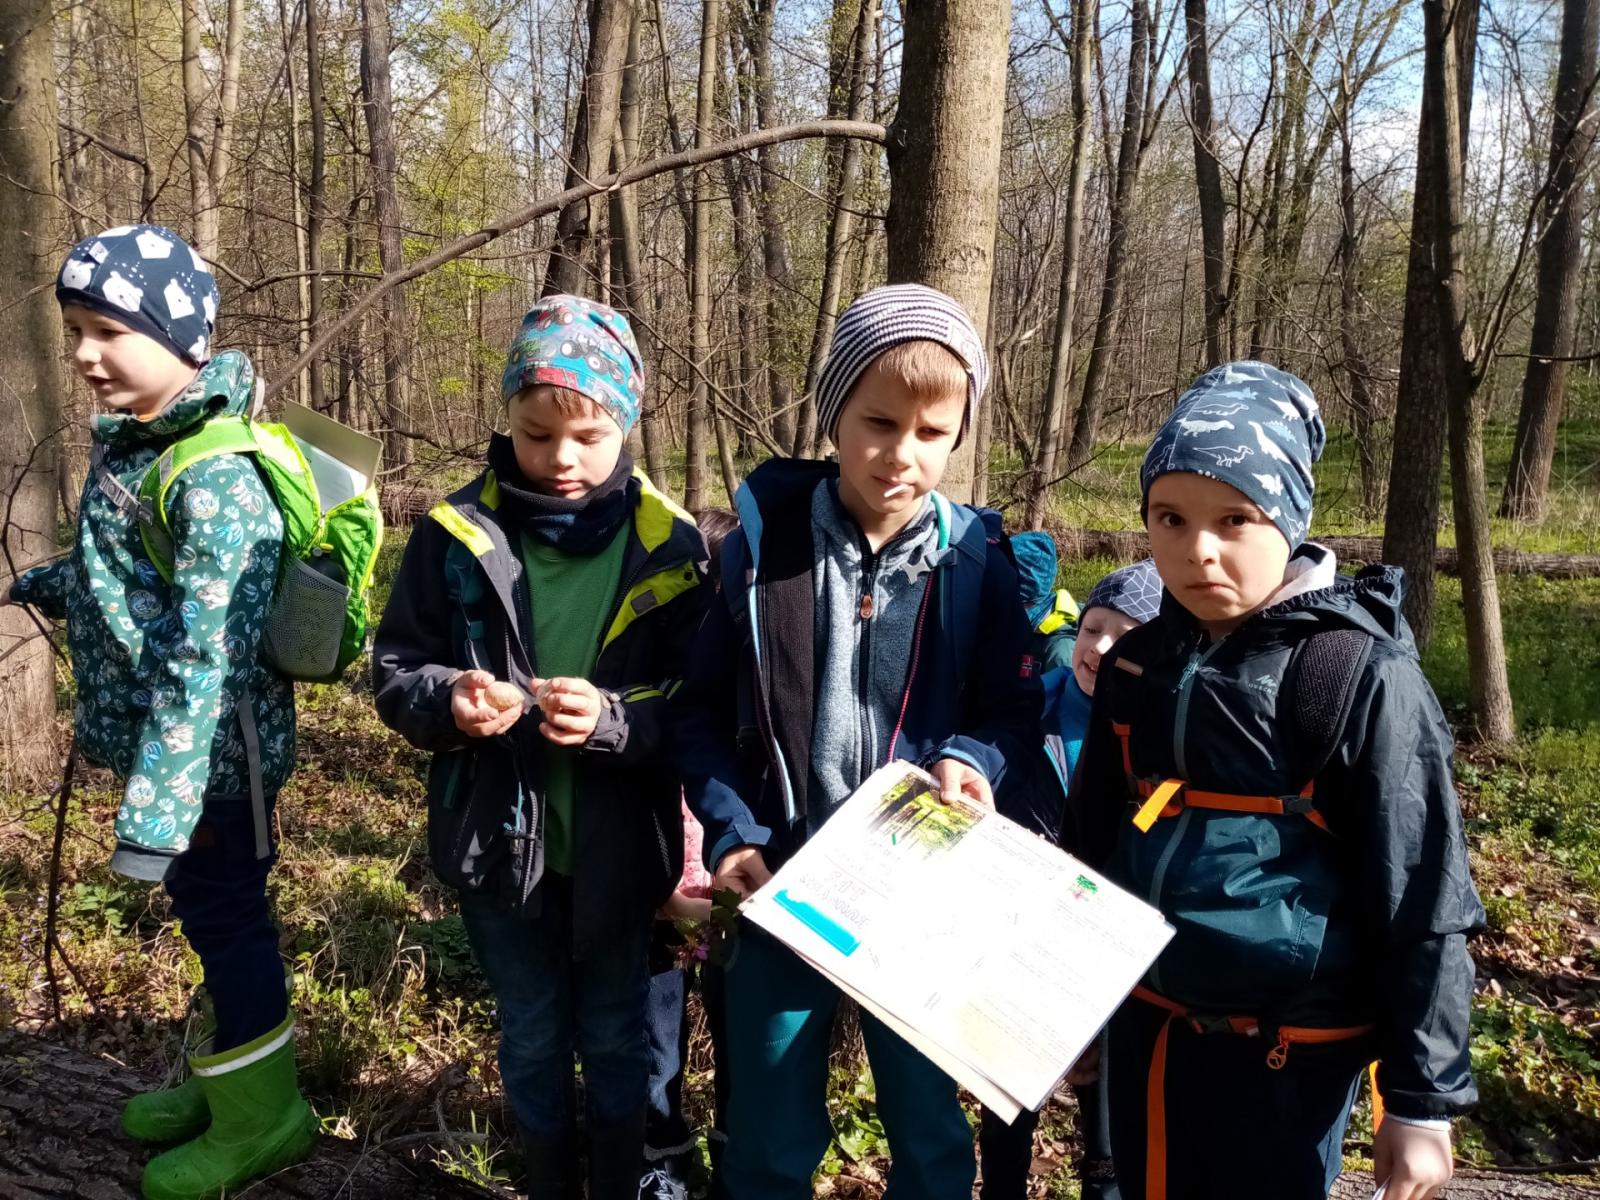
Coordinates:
(306, 626)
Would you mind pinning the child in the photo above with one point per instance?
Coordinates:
(1125, 598)
(668, 1140)
(1051, 610)
(1267, 764)
(172, 693)
(536, 624)
(848, 635)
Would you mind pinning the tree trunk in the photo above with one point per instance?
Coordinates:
(1443, 85)
(288, 30)
(694, 488)
(944, 163)
(625, 260)
(808, 440)
(30, 366)
(1208, 179)
(378, 104)
(1544, 384)
(1411, 514)
(1108, 325)
(209, 158)
(316, 197)
(779, 282)
(1084, 17)
(1363, 403)
(609, 22)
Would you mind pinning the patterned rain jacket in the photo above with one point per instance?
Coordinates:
(162, 669)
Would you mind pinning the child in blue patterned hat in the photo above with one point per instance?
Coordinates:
(537, 628)
(1267, 764)
(172, 693)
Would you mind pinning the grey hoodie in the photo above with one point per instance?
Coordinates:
(864, 649)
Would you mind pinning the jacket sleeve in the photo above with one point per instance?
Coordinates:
(633, 724)
(1002, 708)
(1097, 797)
(413, 660)
(45, 588)
(227, 538)
(1412, 880)
(706, 729)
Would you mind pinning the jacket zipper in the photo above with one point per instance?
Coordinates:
(864, 612)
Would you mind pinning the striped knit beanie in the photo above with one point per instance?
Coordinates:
(884, 318)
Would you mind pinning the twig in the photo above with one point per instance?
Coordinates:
(52, 900)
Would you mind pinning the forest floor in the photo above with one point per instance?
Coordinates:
(397, 1031)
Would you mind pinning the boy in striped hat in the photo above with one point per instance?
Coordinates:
(865, 590)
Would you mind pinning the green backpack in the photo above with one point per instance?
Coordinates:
(318, 623)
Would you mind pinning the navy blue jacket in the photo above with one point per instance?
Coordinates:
(1363, 923)
(744, 715)
(460, 601)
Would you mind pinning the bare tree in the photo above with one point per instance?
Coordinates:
(1411, 514)
(210, 157)
(592, 131)
(944, 159)
(694, 488)
(1464, 365)
(378, 106)
(316, 198)
(1208, 180)
(1080, 49)
(1555, 317)
(30, 374)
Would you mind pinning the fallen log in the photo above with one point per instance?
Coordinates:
(1128, 545)
(61, 1137)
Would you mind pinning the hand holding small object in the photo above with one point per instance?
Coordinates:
(483, 706)
(571, 709)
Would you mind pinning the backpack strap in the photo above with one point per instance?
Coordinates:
(222, 435)
(113, 489)
(1322, 678)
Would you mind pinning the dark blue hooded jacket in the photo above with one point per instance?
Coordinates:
(1366, 922)
(744, 716)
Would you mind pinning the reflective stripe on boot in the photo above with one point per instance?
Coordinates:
(259, 1121)
(172, 1114)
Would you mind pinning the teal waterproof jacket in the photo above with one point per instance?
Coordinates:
(165, 671)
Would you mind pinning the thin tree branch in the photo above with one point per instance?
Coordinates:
(866, 130)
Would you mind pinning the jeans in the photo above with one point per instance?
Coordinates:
(667, 1131)
(553, 1005)
(780, 1018)
(219, 893)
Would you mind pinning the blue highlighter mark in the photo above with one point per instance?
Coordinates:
(824, 926)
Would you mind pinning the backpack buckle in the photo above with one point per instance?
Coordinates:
(1297, 806)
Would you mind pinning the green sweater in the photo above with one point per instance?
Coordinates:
(571, 596)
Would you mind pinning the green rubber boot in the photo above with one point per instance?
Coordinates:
(259, 1121)
(173, 1114)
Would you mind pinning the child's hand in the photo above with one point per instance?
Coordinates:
(1087, 1069)
(687, 908)
(474, 712)
(956, 779)
(1412, 1161)
(743, 871)
(571, 709)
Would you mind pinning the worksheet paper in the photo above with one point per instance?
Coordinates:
(989, 949)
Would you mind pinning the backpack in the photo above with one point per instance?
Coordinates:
(318, 622)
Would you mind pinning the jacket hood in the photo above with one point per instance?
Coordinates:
(1313, 590)
(225, 387)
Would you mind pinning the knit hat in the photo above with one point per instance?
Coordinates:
(147, 278)
(1253, 427)
(571, 342)
(1034, 552)
(1134, 591)
(884, 318)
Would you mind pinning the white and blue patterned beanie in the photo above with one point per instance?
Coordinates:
(1253, 427)
(147, 278)
(1134, 591)
(887, 317)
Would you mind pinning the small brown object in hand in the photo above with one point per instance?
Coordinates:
(503, 696)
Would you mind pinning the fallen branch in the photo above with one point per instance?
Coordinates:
(866, 130)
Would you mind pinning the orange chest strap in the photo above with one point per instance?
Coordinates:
(1169, 797)
(1156, 1089)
